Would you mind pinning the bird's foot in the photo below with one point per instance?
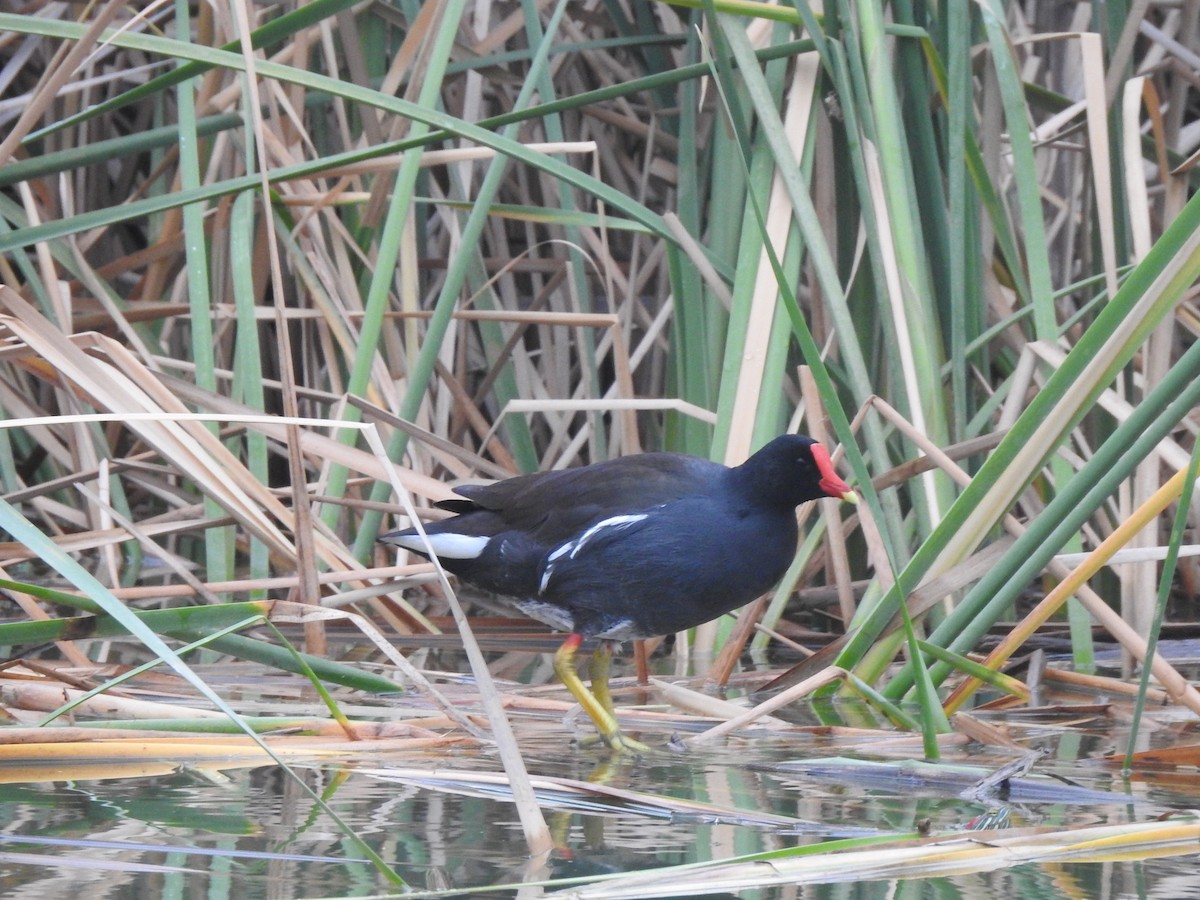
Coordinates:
(617, 741)
(596, 702)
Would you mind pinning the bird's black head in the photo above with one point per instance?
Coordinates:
(790, 470)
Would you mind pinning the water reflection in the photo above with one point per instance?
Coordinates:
(245, 831)
(254, 833)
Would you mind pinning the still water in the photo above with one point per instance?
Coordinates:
(236, 828)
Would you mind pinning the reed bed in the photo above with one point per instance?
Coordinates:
(271, 278)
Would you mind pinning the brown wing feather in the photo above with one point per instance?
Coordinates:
(574, 496)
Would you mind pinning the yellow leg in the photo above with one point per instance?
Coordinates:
(598, 670)
(597, 705)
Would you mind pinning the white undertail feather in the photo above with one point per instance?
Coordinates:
(449, 546)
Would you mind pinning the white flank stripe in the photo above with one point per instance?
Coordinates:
(450, 546)
(572, 547)
(616, 523)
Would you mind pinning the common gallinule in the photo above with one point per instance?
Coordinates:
(634, 547)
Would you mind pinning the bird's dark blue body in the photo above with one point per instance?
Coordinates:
(635, 547)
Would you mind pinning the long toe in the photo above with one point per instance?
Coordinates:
(620, 742)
